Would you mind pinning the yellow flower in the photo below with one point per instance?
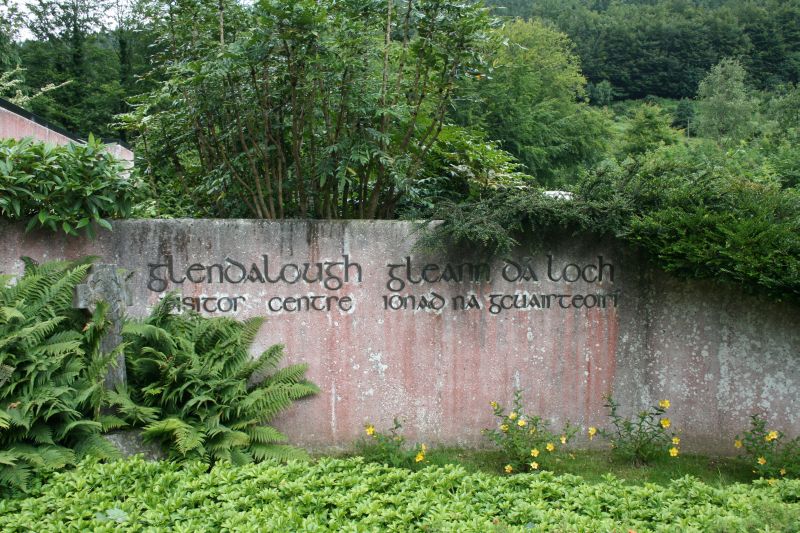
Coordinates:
(550, 447)
(772, 435)
(762, 460)
(512, 415)
(532, 431)
(504, 428)
(535, 452)
(493, 404)
(592, 432)
(508, 469)
(772, 481)
(664, 404)
(783, 471)
(673, 452)
(420, 457)
(370, 430)
(737, 443)
(665, 423)
(522, 423)
(535, 465)
(676, 440)
(563, 439)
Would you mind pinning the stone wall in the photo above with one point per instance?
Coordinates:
(392, 332)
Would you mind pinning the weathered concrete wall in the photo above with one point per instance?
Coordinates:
(621, 326)
(14, 125)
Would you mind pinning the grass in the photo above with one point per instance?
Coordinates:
(592, 465)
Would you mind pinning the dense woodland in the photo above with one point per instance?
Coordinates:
(674, 123)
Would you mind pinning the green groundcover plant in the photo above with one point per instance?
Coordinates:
(351, 495)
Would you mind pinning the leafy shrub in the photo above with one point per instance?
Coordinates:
(51, 373)
(390, 449)
(461, 164)
(643, 438)
(194, 387)
(349, 495)
(696, 210)
(526, 440)
(769, 451)
(64, 188)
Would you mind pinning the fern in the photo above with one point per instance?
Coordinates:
(51, 373)
(210, 397)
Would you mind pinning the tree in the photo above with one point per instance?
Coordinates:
(725, 109)
(96, 66)
(649, 129)
(10, 22)
(533, 101)
(310, 108)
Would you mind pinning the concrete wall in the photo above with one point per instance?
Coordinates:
(622, 326)
(16, 126)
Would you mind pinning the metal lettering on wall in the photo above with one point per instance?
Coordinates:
(401, 278)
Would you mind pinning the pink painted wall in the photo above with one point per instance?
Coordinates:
(716, 353)
(14, 126)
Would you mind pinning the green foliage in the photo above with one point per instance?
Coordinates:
(349, 495)
(725, 110)
(706, 213)
(526, 441)
(532, 100)
(494, 224)
(649, 128)
(390, 449)
(311, 108)
(697, 210)
(645, 437)
(51, 374)
(461, 165)
(769, 452)
(94, 68)
(665, 47)
(196, 390)
(683, 117)
(64, 188)
(782, 134)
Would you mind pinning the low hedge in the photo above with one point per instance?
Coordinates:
(350, 495)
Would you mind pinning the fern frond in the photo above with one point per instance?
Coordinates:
(94, 445)
(41, 434)
(265, 435)
(149, 332)
(280, 452)
(257, 369)
(79, 426)
(186, 438)
(288, 375)
(111, 422)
